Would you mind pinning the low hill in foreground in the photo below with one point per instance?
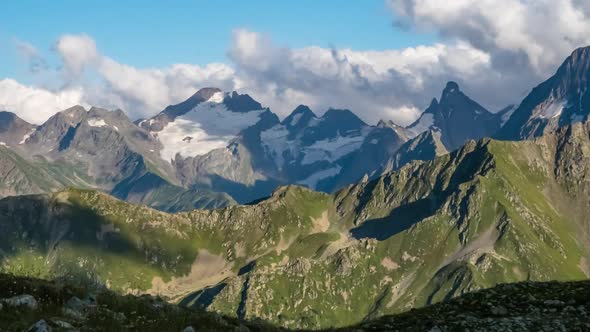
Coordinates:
(534, 306)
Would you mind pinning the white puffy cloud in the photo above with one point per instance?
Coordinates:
(497, 50)
(36, 104)
(538, 34)
(77, 52)
(142, 92)
(391, 84)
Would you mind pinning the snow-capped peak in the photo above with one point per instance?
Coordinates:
(217, 97)
(207, 126)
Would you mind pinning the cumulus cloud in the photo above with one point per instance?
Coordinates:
(521, 35)
(497, 50)
(145, 91)
(77, 52)
(140, 92)
(35, 104)
(392, 84)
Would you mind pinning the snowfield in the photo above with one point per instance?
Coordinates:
(27, 136)
(275, 143)
(208, 126)
(333, 149)
(312, 181)
(553, 110)
(96, 122)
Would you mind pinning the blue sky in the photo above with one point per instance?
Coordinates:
(141, 56)
(158, 33)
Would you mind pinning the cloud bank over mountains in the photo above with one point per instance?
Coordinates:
(497, 50)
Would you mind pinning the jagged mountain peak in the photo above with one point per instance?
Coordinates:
(451, 88)
(8, 119)
(241, 103)
(98, 111)
(560, 100)
(233, 101)
(574, 73)
(343, 115)
(580, 55)
(303, 109)
(299, 118)
(205, 94)
(13, 130)
(457, 117)
(73, 111)
(452, 98)
(433, 104)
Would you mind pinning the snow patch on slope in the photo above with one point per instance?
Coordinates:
(94, 122)
(333, 149)
(275, 143)
(208, 126)
(216, 98)
(424, 123)
(313, 180)
(26, 137)
(553, 110)
(295, 119)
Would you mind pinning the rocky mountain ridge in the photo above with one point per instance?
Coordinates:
(423, 234)
(213, 144)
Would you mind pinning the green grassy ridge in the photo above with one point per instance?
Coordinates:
(465, 221)
(477, 189)
(24, 176)
(141, 243)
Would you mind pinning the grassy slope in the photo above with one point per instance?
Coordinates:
(492, 212)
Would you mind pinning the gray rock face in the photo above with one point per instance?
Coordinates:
(561, 100)
(324, 153)
(40, 326)
(95, 149)
(166, 161)
(13, 130)
(425, 146)
(22, 301)
(457, 117)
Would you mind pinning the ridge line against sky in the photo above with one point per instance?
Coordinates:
(381, 59)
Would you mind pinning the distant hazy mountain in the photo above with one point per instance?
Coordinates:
(93, 149)
(228, 142)
(216, 144)
(219, 147)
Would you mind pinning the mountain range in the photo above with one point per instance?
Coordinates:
(310, 221)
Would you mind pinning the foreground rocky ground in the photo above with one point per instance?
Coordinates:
(525, 306)
(28, 304)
